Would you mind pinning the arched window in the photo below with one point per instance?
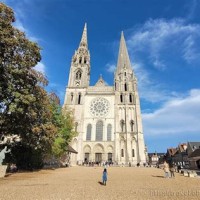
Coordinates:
(122, 125)
(80, 60)
(78, 75)
(109, 131)
(122, 152)
(72, 97)
(85, 60)
(99, 131)
(89, 131)
(130, 98)
(125, 87)
(121, 98)
(133, 153)
(79, 99)
(76, 126)
(131, 124)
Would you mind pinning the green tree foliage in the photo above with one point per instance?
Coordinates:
(25, 107)
(65, 123)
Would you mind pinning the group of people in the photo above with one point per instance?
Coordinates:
(169, 170)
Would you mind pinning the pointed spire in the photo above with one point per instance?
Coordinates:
(83, 42)
(123, 57)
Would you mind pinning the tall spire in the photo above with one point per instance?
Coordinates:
(123, 57)
(83, 42)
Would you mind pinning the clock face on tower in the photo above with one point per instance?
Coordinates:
(99, 107)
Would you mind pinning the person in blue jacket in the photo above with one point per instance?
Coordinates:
(104, 177)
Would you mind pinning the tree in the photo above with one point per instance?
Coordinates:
(25, 107)
(65, 123)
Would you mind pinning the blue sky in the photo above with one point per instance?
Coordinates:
(163, 39)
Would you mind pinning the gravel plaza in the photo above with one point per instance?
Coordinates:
(85, 183)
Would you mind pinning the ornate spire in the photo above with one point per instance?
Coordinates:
(123, 57)
(83, 42)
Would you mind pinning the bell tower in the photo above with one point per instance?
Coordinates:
(129, 132)
(79, 76)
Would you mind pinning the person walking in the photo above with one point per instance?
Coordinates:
(104, 177)
(166, 169)
(172, 170)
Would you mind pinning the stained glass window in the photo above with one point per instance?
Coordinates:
(99, 131)
(89, 131)
(109, 130)
(99, 107)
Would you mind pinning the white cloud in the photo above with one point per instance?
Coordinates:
(20, 12)
(180, 115)
(40, 67)
(110, 67)
(148, 88)
(160, 36)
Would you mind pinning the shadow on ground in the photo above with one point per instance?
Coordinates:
(100, 183)
(157, 176)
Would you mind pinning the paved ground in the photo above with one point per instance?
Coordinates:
(83, 183)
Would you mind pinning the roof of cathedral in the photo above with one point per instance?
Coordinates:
(123, 57)
(83, 42)
(100, 82)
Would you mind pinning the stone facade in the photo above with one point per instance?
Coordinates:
(107, 118)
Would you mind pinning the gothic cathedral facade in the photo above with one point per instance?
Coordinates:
(107, 118)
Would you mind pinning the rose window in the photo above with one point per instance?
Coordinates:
(99, 107)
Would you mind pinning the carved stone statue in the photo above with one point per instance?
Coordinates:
(2, 154)
(7, 140)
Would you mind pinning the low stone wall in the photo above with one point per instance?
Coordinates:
(3, 170)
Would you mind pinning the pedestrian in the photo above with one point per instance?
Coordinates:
(104, 177)
(166, 169)
(172, 170)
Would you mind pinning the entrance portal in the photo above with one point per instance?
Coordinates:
(98, 157)
(110, 157)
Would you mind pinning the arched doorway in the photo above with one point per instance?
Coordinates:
(87, 154)
(98, 151)
(110, 154)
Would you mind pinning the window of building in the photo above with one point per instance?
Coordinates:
(80, 60)
(121, 98)
(78, 75)
(122, 152)
(131, 124)
(79, 99)
(85, 60)
(125, 87)
(133, 152)
(130, 98)
(89, 132)
(109, 130)
(72, 97)
(122, 125)
(124, 73)
(99, 131)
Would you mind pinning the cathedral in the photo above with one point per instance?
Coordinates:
(107, 118)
